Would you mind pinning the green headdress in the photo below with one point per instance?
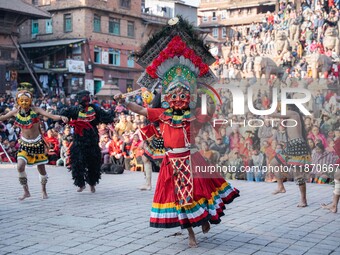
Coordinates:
(26, 86)
(176, 56)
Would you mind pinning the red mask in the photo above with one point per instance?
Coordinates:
(85, 100)
(178, 98)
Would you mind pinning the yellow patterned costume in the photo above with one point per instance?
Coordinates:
(32, 151)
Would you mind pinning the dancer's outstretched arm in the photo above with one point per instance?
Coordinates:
(132, 106)
(49, 115)
(9, 115)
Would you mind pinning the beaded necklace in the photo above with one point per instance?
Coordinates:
(88, 114)
(26, 120)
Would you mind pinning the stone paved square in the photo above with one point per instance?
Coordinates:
(115, 220)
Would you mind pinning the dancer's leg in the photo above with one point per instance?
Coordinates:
(43, 180)
(280, 187)
(192, 238)
(147, 172)
(23, 178)
(93, 161)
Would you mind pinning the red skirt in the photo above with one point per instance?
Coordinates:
(187, 194)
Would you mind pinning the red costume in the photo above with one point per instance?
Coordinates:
(182, 199)
(187, 194)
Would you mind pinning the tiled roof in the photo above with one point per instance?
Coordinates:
(20, 7)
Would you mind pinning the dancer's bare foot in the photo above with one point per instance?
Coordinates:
(145, 187)
(26, 195)
(330, 207)
(205, 227)
(278, 191)
(44, 195)
(192, 240)
(93, 189)
(302, 204)
(81, 189)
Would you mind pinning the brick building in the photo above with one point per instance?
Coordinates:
(87, 44)
(12, 14)
(224, 18)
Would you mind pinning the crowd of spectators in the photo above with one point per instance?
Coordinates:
(229, 145)
(289, 37)
(120, 142)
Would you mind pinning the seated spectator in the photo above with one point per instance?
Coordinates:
(234, 138)
(115, 150)
(320, 159)
(5, 151)
(219, 146)
(326, 123)
(63, 153)
(235, 161)
(52, 143)
(198, 142)
(123, 125)
(11, 131)
(316, 135)
(225, 138)
(280, 135)
(206, 153)
(104, 142)
(311, 144)
(3, 130)
(266, 131)
(308, 124)
(120, 108)
(127, 153)
(269, 149)
(256, 163)
(206, 138)
(330, 147)
(136, 152)
(13, 149)
(102, 129)
(336, 134)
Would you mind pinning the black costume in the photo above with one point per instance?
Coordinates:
(85, 155)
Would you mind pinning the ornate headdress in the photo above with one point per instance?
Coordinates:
(176, 56)
(26, 86)
(24, 89)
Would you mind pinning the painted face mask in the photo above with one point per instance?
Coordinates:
(24, 100)
(83, 98)
(178, 98)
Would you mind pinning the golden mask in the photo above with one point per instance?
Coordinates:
(24, 99)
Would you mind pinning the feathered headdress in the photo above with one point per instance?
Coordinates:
(176, 56)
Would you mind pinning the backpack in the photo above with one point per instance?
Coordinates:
(112, 169)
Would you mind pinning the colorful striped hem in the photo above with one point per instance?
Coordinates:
(170, 215)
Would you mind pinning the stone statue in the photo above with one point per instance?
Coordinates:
(281, 41)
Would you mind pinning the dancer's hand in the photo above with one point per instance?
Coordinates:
(119, 98)
(64, 119)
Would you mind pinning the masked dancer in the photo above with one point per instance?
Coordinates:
(32, 146)
(177, 59)
(84, 152)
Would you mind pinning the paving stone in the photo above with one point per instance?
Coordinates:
(108, 222)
